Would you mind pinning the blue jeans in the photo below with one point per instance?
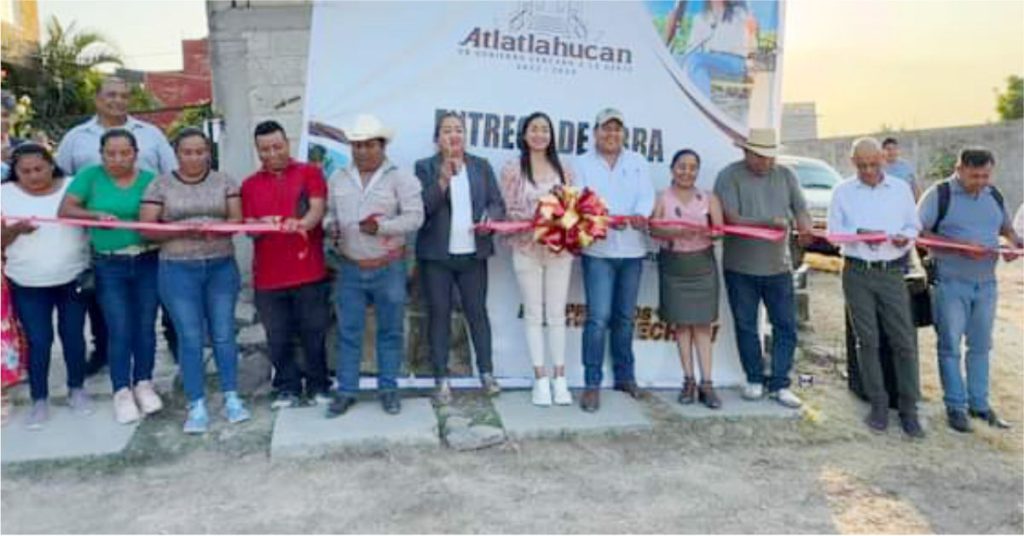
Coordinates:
(964, 310)
(746, 292)
(201, 294)
(127, 291)
(35, 307)
(384, 288)
(611, 287)
(705, 66)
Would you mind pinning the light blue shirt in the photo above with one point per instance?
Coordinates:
(888, 207)
(971, 218)
(80, 147)
(900, 169)
(627, 190)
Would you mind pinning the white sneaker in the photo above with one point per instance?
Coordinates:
(786, 398)
(146, 398)
(753, 391)
(38, 415)
(322, 398)
(79, 402)
(542, 391)
(125, 410)
(561, 392)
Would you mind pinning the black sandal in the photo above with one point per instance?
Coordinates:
(689, 393)
(708, 397)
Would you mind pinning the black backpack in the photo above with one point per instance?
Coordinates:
(945, 194)
(944, 190)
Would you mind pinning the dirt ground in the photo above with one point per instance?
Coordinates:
(822, 473)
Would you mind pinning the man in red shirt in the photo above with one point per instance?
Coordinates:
(289, 274)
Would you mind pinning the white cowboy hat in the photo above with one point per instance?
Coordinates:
(761, 141)
(367, 127)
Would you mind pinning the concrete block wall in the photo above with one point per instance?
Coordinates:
(921, 147)
(259, 52)
(258, 55)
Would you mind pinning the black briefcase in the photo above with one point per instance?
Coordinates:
(920, 300)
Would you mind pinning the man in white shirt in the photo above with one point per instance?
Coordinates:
(876, 296)
(612, 267)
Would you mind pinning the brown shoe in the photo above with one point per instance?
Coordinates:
(708, 397)
(689, 393)
(631, 389)
(591, 400)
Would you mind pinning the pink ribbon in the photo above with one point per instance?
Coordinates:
(940, 243)
(850, 238)
(968, 248)
(211, 227)
(747, 231)
(505, 227)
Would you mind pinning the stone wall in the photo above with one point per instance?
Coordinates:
(923, 147)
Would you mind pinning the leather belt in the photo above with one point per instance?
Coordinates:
(899, 264)
(129, 251)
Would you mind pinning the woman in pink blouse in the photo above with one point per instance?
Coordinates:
(688, 273)
(543, 276)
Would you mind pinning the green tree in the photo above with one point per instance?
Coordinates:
(1010, 103)
(63, 79)
(193, 116)
(68, 79)
(941, 164)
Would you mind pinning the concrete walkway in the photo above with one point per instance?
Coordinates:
(733, 406)
(164, 372)
(65, 435)
(522, 419)
(306, 432)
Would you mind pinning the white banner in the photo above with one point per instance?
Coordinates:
(685, 74)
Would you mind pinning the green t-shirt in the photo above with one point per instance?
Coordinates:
(97, 191)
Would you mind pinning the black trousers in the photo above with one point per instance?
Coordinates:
(469, 274)
(304, 311)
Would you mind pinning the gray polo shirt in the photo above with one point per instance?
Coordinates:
(758, 200)
(973, 218)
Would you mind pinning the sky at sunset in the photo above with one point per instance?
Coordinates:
(911, 64)
(905, 63)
